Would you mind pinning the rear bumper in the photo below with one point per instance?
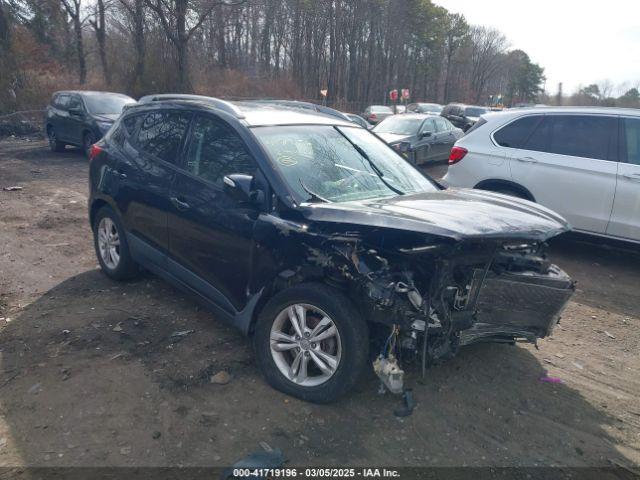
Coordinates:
(520, 305)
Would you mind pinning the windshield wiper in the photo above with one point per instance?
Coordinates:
(314, 196)
(373, 166)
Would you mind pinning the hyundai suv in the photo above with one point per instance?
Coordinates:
(313, 236)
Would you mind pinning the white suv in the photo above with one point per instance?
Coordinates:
(584, 163)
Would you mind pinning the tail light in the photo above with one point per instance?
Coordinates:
(94, 151)
(457, 154)
(372, 116)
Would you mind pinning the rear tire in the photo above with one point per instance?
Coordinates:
(112, 249)
(328, 367)
(54, 144)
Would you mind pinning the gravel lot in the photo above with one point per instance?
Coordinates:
(92, 375)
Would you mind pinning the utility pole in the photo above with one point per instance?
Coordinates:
(559, 97)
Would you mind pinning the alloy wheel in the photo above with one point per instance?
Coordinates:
(109, 243)
(305, 345)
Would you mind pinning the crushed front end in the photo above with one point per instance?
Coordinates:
(439, 296)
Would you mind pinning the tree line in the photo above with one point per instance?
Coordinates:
(357, 50)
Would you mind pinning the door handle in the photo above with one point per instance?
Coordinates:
(179, 204)
(632, 176)
(527, 159)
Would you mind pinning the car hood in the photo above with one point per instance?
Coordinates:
(107, 117)
(393, 137)
(453, 213)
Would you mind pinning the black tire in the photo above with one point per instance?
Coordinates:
(125, 268)
(88, 139)
(54, 144)
(354, 338)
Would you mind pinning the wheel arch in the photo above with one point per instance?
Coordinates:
(495, 183)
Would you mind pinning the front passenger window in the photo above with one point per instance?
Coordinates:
(215, 150)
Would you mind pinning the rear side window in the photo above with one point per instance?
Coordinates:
(216, 150)
(442, 125)
(588, 136)
(631, 142)
(515, 134)
(161, 134)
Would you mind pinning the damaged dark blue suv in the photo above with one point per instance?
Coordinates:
(307, 232)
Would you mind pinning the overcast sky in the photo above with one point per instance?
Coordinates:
(577, 42)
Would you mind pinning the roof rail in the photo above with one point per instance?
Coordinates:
(214, 102)
(304, 106)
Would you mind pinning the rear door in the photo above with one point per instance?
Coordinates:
(569, 164)
(60, 116)
(445, 138)
(210, 233)
(625, 217)
(146, 173)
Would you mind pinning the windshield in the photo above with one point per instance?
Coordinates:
(326, 163)
(475, 111)
(399, 125)
(106, 104)
(430, 107)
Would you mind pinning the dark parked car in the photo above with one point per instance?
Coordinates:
(434, 108)
(376, 113)
(463, 116)
(306, 231)
(81, 118)
(420, 137)
(357, 119)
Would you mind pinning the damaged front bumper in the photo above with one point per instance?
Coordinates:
(519, 305)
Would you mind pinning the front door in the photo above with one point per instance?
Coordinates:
(210, 233)
(425, 143)
(625, 217)
(569, 165)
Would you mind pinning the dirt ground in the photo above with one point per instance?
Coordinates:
(91, 373)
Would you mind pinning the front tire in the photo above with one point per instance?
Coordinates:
(311, 343)
(111, 246)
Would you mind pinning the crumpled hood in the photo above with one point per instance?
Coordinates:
(454, 213)
(393, 137)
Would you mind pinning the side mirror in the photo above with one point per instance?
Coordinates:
(239, 187)
(75, 111)
(425, 134)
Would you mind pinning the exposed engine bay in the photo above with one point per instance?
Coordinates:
(439, 297)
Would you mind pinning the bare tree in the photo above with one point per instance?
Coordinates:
(176, 16)
(100, 27)
(136, 12)
(74, 10)
(487, 46)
